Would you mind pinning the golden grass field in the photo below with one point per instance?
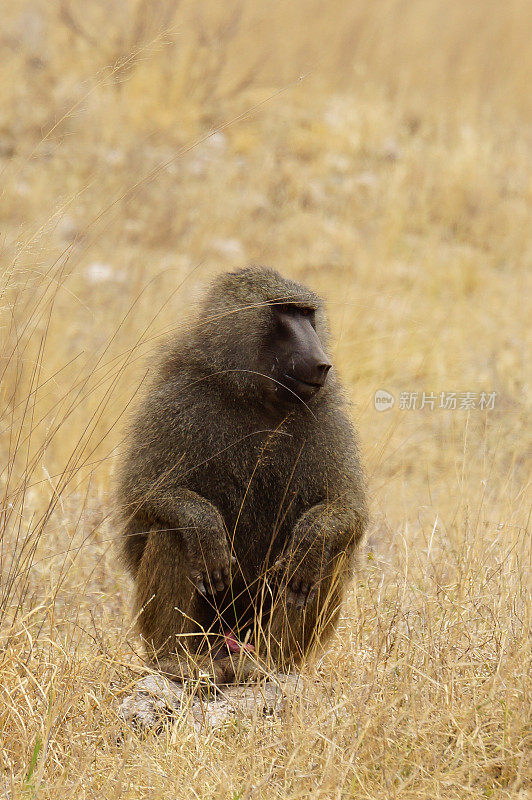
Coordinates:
(380, 152)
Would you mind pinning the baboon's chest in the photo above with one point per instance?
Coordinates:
(268, 495)
(259, 481)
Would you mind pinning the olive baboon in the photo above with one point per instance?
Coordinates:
(241, 492)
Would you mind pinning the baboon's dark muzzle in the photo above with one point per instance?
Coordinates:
(309, 363)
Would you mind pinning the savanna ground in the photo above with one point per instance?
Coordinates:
(381, 152)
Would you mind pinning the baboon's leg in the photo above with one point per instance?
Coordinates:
(174, 619)
(181, 628)
(134, 541)
(292, 632)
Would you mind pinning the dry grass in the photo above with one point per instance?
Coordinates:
(395, 179)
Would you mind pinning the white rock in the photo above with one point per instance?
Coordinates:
(156, 699)
(230, 248)
(100, 272)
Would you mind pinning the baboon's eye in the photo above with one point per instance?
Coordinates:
(285, 308)
(305, 312)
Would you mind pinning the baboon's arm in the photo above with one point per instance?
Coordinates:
(323, 536)
(200, 528)
(332, 526)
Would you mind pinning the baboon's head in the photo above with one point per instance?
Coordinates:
(266, 335)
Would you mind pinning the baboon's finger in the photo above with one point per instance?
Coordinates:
(301, 602)
(217, 580)
(197, 577)
(291, 598)
(313, 591)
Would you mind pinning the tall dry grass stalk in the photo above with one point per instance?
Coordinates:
(380, 152)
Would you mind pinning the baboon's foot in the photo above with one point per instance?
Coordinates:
(230, 662)
(236, 668)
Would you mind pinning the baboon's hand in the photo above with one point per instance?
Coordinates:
(211, 566)
(301, 570)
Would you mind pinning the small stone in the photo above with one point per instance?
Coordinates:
(156, 699)
(229, 248)
(100, 272)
